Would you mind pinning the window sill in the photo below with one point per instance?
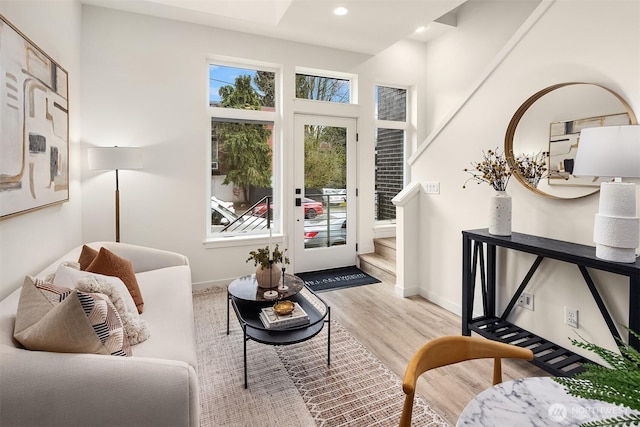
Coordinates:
(237, 241)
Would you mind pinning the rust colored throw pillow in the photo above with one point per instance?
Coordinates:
(86, 257)
(110, 264)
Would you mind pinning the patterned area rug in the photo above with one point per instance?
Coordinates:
(292, 385)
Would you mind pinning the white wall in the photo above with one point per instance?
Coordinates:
(455, 60)
(595, 41)
(145, 84)
(31, 241)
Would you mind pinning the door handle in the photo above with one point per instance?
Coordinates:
(298, 201)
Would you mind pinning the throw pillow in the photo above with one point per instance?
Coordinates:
(69, 277)
(52, 318)
(87, 256)
(136, 327)
(110, 264)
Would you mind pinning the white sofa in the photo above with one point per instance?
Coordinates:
(157, 386)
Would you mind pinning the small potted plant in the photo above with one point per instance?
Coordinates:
(268, 271)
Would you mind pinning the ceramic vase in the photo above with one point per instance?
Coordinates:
(268, 277)
(500, 214)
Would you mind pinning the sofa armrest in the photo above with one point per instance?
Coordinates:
(86, 389)
(143, 258)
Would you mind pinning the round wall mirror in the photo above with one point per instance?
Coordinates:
(547, 127)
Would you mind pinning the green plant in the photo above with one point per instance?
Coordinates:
(265, 259)
(617, 384)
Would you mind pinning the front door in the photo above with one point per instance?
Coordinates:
(325, 192)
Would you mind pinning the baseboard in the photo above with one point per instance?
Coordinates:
(448, 305)
(406, 291)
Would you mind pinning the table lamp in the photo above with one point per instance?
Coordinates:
(613, 151)
(115, 158)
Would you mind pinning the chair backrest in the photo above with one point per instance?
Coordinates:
(454, 349)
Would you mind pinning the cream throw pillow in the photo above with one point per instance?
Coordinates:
(70, 276)
(52, 318)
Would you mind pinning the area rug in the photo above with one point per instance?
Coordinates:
(336, 278)
(292, 385)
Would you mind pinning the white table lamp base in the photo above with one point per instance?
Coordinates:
(616, 227)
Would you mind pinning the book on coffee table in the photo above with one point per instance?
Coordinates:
(271, 320)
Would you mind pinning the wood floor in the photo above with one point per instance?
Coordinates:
(393, 328)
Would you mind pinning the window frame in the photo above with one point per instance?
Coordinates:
(234, 114)
(405, 126)
(350, 77)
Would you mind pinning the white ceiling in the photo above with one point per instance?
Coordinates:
(370, 26)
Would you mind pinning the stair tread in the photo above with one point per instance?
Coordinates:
(380, 262)
(389, 242)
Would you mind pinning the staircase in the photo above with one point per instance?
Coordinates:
(382, 263)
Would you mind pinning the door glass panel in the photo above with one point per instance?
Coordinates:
(325, 183)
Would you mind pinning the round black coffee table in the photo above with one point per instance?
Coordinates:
(246, 288)
(247, 301)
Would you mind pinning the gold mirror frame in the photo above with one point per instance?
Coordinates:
(520, 112)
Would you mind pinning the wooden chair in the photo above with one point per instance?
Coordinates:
(454, 349)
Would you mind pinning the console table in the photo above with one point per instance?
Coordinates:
(547, 355)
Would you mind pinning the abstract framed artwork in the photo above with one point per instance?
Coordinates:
(34, 126)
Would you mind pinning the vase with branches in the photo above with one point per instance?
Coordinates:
(532, 167)
(494, 170)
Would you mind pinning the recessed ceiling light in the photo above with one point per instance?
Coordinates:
(340, 11)
(421, 29)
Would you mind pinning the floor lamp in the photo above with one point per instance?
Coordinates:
(115, 158)
(613, 151)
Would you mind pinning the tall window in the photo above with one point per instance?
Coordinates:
(242, 108)
(391, 133)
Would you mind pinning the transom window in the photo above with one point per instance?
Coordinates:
(323, 88)
(243, 88)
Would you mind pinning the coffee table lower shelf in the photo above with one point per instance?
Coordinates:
(551, 357)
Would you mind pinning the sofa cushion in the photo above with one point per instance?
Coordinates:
(87, 255)
(64, 320)
(169, 314)
(110, 264)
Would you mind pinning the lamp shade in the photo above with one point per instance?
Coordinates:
(609, 151)
(110, 158)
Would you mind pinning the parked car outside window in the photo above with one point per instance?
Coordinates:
(311, 209)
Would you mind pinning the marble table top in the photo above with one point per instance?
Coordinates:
(538, 401)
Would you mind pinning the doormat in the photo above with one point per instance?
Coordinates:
(336, 278)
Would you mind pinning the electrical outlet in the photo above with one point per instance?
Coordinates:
(431, 187)
(571, 316)
(526, 300)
